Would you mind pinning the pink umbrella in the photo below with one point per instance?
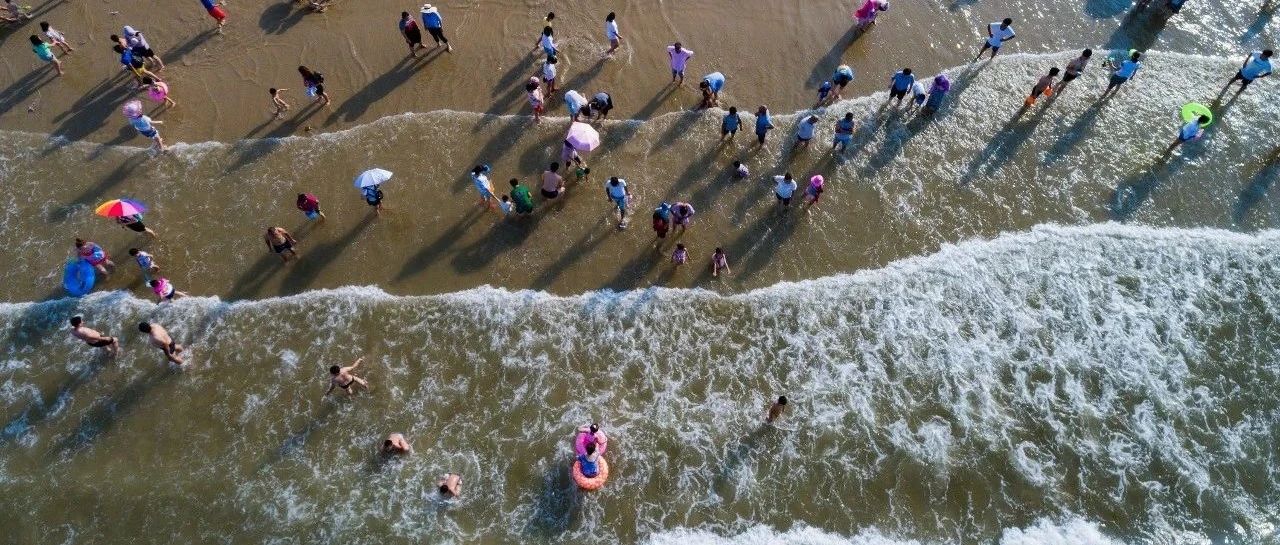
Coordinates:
(582, 137)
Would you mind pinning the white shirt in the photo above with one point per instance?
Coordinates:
(548, 72)
(785, 187)
(1257, 66)
(611, 30)
(999, 35)
(805, 131)
(55, 35)
(619, 191)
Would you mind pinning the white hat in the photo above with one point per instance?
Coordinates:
(428, 8)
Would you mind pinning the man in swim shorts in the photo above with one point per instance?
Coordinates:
(775, 410)
(281, 242)
(1074, 69)
(345, 378)
(160, 339)
(396, 444)
(93, 338)
(997, 35)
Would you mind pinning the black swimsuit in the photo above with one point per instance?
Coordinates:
(347, 385)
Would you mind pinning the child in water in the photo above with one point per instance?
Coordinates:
(1043, 87)
(719, 262)
(680, 256)
(740, 170)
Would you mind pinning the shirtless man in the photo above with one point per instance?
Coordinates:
(161, 339)
(280, 241)
(342, 377)
(775, 410)
(93, 338)
(396, 444)
(450, 485)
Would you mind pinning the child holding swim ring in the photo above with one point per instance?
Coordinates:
(158, 91)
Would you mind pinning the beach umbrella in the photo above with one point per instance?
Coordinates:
(373, 176)
(116, 208)
(583, 137)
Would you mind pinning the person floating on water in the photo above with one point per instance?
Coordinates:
(997, 35)
(93, 338)
(159, 337)
(345, 378)
(775, 410)
(396, 444)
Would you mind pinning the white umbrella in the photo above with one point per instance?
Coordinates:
(373, 176)
(582, 137)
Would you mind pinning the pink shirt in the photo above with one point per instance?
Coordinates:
(679, 58)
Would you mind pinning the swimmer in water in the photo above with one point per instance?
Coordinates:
(450, 485)
(160, 338)
(396, 444)
(345, 378)
(93, 338)
(775, 410)
(281, 242)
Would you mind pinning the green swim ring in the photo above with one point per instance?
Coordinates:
(1193, 110)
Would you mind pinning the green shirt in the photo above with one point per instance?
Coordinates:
(524, 202)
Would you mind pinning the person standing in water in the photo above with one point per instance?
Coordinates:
(520, 198)
(1074, 69)
(94, 255)
(804, 132)
(277, 102)
(134, 223)
(310, 206)
(844, 132)
(900, 84)
(281, 242)
(711, 85)
(814, 191)
(549, 73)
(537, 100)
(1256, 66)
(679, 57)
(552, 182)
(611, 33)
(1043, 86)
(449, 485)
(313, 82)
(997, 35)
(661, 222)
(680, 256)
(159, 338)
(866, 15)
(45, 53)
(1123, 73)
(784, 188)
(775, 410)
(842, 77)
(617, 192)
(373, 197)
(764, 124)
(547, 41)
(601, 103)
(396, 444)
(345, 378)
(480, 178)
(682, 216)
(165, 290)
(719, 263)
(937, 93)
(729, 125)
(1191, 130)
(146, 263)
(93, 338)
(158, 91)
(412, 34)
(435, 26)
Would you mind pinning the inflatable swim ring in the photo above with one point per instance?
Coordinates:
(580, 443)
(78, 277)
(591, 483)
(1193, 110)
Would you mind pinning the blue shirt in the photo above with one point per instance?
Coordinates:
(731, 122)
(763, 123)
(589, 468)
(902, 82)
(432, 19)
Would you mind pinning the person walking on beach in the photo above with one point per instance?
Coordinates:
(521, 198)
(310, 206)
(1074, 69)
(729, 125)
(146, 264)
(547, 41)
(552, 183)
(449, 485)
(679, 57)
(682, 216)
(45, 53)
(373, 197)
(617, 192)
(775, 410)
(412, 34)
(134, 223)
(1043, 86)
(764, 124)
(533, 90)
(784, 188)
(93, 338)
(160, 338)
(165, 290)
(345, 378)
(1191, 130)
(1256, 66)
(844, 132)
(215, 10)
(313, 82)
(601, 103)
(280, 242)
(396, 444)
(141, 48)
(900, 83)
(997, 35)
(611, 33)
(719, 263)
(1123, 73)
(435, 26)
(480, 178)
(56, 38)
(158, 92)
(94, 255)
(805, 130)
(277, 102)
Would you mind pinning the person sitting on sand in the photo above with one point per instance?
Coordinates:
(344, 377)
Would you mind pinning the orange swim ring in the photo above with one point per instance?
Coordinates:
(591, 483)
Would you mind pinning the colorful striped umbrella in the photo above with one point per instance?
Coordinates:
(116, 208)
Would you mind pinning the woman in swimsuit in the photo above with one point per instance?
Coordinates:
(342, 377)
